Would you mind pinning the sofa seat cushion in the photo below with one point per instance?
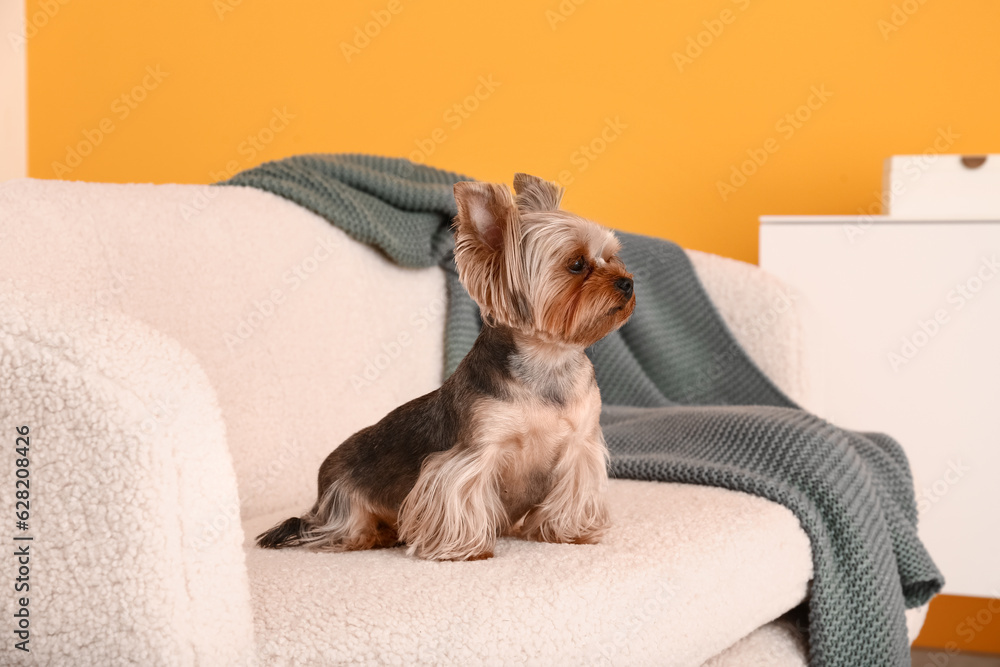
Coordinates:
(685, 572)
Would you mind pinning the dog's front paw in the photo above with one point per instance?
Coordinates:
(552, 534)
(451, 555)
(541, 525)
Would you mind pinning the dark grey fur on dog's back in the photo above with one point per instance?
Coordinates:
(383, 460)
(393, 449)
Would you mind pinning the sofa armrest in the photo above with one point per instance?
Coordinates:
(763, 315)
(135, 553)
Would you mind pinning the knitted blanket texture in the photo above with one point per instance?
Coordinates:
(683, 403)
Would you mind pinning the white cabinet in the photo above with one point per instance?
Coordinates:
(904, 324)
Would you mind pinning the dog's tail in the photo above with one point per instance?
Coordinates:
(288, 533)
(328, 526)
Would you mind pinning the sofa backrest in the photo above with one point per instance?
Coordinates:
(305, 334)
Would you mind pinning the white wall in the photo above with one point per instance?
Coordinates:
(13, 91)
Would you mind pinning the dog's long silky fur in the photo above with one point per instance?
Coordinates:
(511, 442)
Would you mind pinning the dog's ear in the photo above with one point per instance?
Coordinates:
(536, 194)
(488, 250)
(486, 211)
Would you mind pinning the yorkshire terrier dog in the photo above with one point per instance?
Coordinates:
(510, 444)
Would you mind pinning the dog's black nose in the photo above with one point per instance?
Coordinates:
(624, 285)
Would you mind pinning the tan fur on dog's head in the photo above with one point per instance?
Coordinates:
(538, 269)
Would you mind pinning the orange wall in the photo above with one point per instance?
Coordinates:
(959, 624)
(564, 73)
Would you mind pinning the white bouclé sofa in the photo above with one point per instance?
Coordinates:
(185, 357)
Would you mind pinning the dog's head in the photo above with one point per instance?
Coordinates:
(536, 268)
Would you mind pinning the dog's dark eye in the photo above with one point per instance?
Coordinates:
(578, 265)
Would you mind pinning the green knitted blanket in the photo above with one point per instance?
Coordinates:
(683, 403)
